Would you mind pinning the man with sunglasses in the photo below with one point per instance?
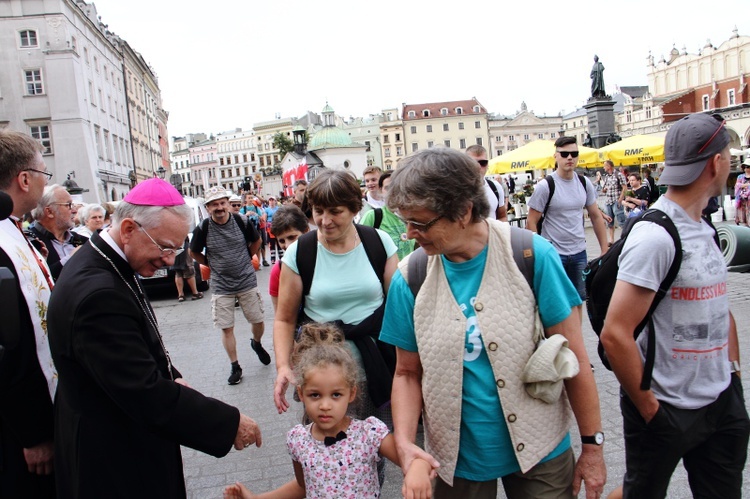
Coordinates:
(493, 190)
(694, 409)
(563, 223)
(53, 223)
(123, 409)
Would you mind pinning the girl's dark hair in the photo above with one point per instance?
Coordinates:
(289, 217)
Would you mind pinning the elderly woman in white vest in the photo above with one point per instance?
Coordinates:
(463, 342)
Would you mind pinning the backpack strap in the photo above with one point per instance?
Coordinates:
(521, 242)
(493, 187)
(307, 254)
(551, 184)
(660, 218)
(378, 218)
(417, 270)
(375, 250)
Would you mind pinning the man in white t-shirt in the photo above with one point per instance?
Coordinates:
(563, 222)
(374, 197)
(493, 190)
(694, 409)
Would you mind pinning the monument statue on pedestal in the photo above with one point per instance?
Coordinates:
(597, 79)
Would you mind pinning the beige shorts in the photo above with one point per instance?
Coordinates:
(222, 308)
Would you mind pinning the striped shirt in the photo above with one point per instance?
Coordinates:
(232, 270)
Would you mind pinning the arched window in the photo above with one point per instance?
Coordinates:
(459, 110)
(29, 38)
(444, 111)
(426, 113)
(412, 114)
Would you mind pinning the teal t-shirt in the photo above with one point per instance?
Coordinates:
(486, 450)
(344, 286)
(394, 227)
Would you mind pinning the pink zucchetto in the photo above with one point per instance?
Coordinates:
(154, 192)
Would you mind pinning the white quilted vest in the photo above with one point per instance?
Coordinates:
(504, 308)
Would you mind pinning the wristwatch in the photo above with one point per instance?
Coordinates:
(734, 366)
(595, 439)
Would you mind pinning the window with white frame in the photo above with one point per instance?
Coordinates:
(414, 147)
(33, 80)
(398, 137)
(399, 151)
(477, 124)
(498, 138)
(413, 129)
(447, 143)
(461, 124)
(476, 109)
(426, 113)
(462, 143)
(628, 116)
(430, 144)
(511, 138)
(540, 135)
(731, 97)
(706, 103)
(648, 112)
(444, 111)
(526, 136)
(41, 133)
(412, 114)
(479, 141)
(429, 128)
(459, 110)
(552, 135)
(386, 138)
(387, 151)
(445, 127)
(29, 38)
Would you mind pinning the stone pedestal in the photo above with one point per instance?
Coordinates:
(601, 116)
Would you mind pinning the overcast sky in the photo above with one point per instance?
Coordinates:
(224, 64)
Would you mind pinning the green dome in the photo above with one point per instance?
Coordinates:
(329, 137)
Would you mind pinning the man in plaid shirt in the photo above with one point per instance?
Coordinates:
(614, 183)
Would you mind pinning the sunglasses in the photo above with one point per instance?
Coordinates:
(483, 162)
(722, 122)
(565, 154)
(236, 205)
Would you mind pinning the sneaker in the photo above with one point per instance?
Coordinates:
(263, 356)
(265, 263)
(236, 375)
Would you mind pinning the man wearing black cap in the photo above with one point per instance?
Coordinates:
(694, 409)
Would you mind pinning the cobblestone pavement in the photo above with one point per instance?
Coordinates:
(195, 347)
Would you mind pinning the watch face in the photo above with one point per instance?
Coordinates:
(599, 438)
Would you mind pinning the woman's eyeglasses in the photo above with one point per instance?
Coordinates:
(419, 226)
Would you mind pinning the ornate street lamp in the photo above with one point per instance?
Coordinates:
(161, 172)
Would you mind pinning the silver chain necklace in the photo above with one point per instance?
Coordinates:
(146, 310)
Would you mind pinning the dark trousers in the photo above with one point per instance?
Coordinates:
(711, 441)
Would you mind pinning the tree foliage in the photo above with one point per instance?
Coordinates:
(283, 143)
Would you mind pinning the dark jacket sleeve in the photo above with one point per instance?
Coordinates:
(25, 403)
(108, 340)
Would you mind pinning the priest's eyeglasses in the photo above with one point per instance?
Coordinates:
(165, 252)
